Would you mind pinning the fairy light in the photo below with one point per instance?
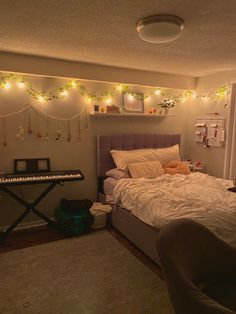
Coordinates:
(41, 98)
(64, 93)
(20, 84)
(108, 100)
(7, 85)
(73, 84)
(89, 99)
(130, 97)
(119, 87)
(157, 92)
(194, 95)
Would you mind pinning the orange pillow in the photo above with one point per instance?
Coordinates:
(176, 167)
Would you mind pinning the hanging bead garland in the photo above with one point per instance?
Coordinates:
(39, 115)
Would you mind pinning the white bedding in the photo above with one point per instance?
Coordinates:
(196, 196)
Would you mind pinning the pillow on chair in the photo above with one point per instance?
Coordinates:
(176, 167)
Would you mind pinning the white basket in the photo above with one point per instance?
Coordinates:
(99, 220)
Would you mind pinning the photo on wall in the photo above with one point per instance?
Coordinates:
(133, 103)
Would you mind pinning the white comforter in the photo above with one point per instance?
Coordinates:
(196, 196)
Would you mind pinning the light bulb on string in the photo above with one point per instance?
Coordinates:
(131, 97)
(41, 98)
(73, 84)
(7, 85)
(108, 100)
(88, 99)
(20, 84)
(119, 87)
(157, 92)
(64, 93)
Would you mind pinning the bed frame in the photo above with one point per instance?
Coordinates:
(139, 233)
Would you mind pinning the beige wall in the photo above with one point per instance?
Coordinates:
(213, 157)
(69, 155)
(82, 154)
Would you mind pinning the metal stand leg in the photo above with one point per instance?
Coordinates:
(30, 208)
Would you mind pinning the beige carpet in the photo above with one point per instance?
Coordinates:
(92, 274)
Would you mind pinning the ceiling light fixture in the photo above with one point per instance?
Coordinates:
(160, 28)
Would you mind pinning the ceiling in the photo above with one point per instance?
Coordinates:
(103, 32)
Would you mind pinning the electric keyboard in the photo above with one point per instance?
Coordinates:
(45, 177)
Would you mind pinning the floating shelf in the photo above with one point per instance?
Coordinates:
(148, 115)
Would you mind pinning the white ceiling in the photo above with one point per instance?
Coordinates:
(103, 32)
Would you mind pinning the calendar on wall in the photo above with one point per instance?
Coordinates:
(210, 131)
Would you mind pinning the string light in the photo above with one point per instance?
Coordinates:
(7, 85)
(130, 97)
(157, 92)
(119, 87)
(105, 96)
(64, 93)
(73, 84)
(20, 84)
(41, 98)
(89, 99)
(108, 100)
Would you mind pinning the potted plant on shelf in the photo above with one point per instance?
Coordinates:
(166, 105)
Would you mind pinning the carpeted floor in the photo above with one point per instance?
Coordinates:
(90, 274)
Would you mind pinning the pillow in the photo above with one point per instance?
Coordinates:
(167, 154)
(122, 158)
(176, 167)
(147, 170)
(117, 174)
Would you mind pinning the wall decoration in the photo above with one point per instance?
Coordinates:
(106, 97)
(133, 102)
(209, 130)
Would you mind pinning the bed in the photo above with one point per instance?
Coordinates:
(137, 226)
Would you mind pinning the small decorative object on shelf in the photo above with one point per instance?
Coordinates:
(133, 102)
(197, 166)
(166, 105)
(152, 110)
(112, 109)
(96, 108)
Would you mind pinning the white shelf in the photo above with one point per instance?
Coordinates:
(148, 115)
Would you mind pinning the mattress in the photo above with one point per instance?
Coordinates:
(197, 196)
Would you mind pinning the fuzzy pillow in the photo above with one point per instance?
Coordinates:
(176, 167)
(147, 170)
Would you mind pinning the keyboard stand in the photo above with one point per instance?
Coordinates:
(30, 208)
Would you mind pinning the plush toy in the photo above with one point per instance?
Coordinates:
(176, 167)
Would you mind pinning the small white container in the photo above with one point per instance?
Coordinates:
(99, 220)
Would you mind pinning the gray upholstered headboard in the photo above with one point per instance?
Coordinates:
(105, 143)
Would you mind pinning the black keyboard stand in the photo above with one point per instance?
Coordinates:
(30, 208)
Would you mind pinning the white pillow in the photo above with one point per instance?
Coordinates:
(147, 170)
(167, 154)
(122, 158)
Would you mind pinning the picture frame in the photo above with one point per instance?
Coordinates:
(133, 104)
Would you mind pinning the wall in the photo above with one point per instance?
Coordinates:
(63, 154)
(213, 157)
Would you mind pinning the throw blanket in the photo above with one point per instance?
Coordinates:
(197, 196)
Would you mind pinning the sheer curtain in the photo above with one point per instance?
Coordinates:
(230, 150)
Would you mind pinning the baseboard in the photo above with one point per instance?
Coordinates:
(27, 225)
